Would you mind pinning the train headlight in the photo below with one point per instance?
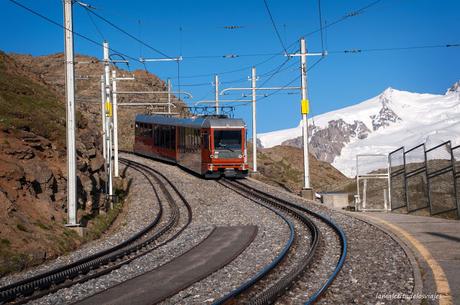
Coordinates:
(240, 156)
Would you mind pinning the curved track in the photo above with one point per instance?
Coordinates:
(110, 259)
(270, 294)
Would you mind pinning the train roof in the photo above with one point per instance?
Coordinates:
(196, 122)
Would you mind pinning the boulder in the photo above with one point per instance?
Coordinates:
(38, 171)
(24, 153)
(6, 205)
(11, 171)
(91, 152)
(97, 163)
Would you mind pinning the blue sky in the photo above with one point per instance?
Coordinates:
(340, 79)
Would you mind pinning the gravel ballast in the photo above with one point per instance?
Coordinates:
(375, 265)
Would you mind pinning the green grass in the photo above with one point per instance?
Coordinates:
(4, 242)
(27, 104)
(21, 227)
(10, 261)
(42, 226)
(102, 222)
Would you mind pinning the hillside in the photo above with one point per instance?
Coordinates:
(378, 125)
(50, 70)
(283, 166)
(33, 169)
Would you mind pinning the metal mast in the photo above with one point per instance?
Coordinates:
(169, 95)
(304, 110)
(115, 122)
(70, 97)
(216, 84)
(254, 132)
(104, 149)
(108, 116)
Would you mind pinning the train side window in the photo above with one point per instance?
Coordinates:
(183, 139)
(205, 140)
(173, 137)
(167, 136)
(195, 139)
(160, 136)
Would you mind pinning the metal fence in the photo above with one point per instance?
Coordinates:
(423, 178)
(372, 182)
(397, 165)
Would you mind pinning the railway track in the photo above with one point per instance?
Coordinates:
(268, 293)
(103, 262)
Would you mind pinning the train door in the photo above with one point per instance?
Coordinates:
(205, 150)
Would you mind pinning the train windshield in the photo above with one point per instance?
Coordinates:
(227, 139)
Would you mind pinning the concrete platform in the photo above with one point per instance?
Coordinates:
(436, 246)
(217, 250)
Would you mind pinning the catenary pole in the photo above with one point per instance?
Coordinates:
(104, 133)
(254, 131)
(108, 119)
(103, 115)
(304, 110)
(169, 95)
(70, 97)
(115, 122)
(216, 84)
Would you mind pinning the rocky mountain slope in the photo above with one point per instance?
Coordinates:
(88, 70)
(33, 169)
(283, 166)
(378, 125)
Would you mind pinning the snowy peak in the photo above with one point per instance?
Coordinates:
(455, 89)
(386, 115)
(378, 125)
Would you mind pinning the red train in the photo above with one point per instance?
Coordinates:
(212, 146)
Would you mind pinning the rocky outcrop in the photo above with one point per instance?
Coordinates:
(33, 184)
(50, 70)
(327, 143)
(30, 165)
(455, 89)
(386, 115)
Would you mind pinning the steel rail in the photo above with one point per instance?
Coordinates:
(248, 284)
(271, 294)
(64, 276)
(339, 231)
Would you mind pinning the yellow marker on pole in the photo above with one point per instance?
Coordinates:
(108, 108)
(305, 106)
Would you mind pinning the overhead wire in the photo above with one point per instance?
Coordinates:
(347, 51)
(180, 55)
(284, 86)
(95, 26)
(126, 32)
(325, 27)
(321, 24)
(34, 12)
(275, 27)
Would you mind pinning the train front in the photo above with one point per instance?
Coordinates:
(227, 155)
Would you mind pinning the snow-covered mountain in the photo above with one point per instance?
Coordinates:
(378, 125)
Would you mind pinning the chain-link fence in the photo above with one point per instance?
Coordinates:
(427, 179)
